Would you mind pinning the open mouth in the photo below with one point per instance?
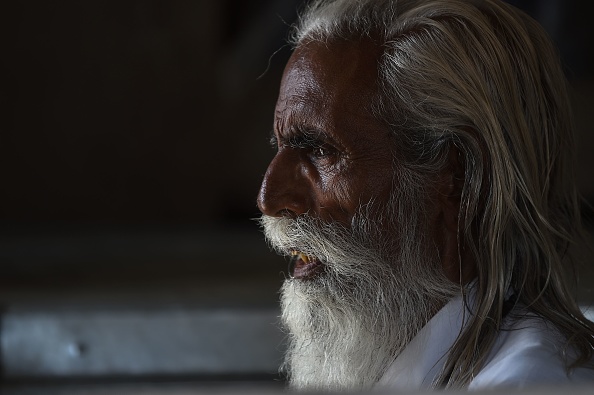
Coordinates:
(305, 266)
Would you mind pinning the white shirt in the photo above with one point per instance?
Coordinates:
(527, 353)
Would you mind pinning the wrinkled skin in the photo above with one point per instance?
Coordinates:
(334, 155)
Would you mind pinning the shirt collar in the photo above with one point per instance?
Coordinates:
(424, 357)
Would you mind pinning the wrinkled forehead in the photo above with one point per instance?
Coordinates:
(338, 68)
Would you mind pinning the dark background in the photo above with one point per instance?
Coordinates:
(133, 141)
(136, 112)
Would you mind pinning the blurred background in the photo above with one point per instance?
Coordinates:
(132, 146)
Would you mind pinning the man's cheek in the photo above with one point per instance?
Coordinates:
(339, 200)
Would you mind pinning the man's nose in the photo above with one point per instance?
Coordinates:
(285, 190)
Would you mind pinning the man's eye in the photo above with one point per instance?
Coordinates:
(323, 152)
(320, 152)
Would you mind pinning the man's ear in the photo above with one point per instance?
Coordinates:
(450, 185)
(457, 264)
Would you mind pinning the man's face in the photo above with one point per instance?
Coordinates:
(367, 275)
(333, 155)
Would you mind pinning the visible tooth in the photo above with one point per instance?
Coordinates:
(300, 255)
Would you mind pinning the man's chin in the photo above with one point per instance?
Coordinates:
(345, 329)
(334, 344)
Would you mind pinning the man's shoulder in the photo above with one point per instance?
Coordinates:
(529, 351)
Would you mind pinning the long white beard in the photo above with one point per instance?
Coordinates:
(348, 324)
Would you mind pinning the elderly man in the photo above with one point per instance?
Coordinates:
(423, 191)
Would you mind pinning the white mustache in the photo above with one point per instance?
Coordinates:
(339, 248)
(303, 234)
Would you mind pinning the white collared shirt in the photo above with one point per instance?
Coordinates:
(528, 352)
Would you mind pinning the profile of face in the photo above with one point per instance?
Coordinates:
(367, 273)
(333, 155)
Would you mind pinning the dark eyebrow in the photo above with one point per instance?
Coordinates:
(305, 137)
